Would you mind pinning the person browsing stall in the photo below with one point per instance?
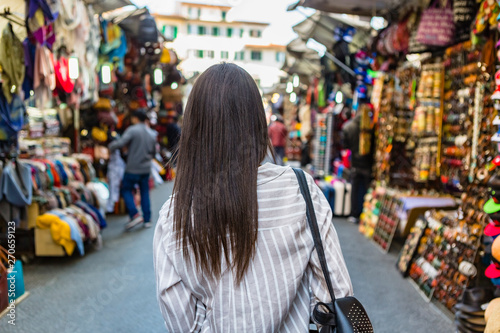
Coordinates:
(140, 141)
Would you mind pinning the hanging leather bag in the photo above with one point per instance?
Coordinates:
(437, 27)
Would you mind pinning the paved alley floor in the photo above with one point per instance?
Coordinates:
(113, 290)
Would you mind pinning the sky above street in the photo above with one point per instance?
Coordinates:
(269, 11)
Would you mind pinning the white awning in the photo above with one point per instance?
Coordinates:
(101, 6)
(353, 7)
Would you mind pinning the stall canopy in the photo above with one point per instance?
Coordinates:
(300, 59)
(353, 7)
(101, 6)
(320, 27)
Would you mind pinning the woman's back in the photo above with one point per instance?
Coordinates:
(282, 280)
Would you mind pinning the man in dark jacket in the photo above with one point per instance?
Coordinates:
(362, 165)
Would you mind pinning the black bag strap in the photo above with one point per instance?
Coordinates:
(313, 225)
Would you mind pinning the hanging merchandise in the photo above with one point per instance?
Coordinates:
(457, 123)
(63, 80)
(366, 133)
(11, 117)
(487, 16)
(11, 62)
(322, 145)
(436, 26)
(414, 45)
(44, 76)
(141, 27)
(41, 19)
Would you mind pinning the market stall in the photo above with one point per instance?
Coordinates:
(430, 78)
(69, 77)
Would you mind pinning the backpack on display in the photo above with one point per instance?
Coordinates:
(148, 32)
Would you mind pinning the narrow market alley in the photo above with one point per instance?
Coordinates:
(113, 290)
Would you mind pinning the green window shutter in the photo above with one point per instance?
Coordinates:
(200, 53)
(229, 32)
(175, 32)
(256, 55)
(241, 33)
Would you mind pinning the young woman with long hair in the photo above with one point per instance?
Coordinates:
(232, 249)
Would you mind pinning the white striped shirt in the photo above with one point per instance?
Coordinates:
(284, 278)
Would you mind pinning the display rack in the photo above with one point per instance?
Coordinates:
(388, 221)
(323, 143)
(446, 243)
(409, 250)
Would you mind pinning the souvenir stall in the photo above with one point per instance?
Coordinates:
(435, 103)
(442, 101)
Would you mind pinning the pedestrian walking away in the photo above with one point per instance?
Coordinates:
(232, 248)
(141, 143)
(278, 135)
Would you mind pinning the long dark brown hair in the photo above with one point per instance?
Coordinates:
(224, 138)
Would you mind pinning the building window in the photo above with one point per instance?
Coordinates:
(205, 54)
(229, 32)
(224, 13)
(256, 55)
(202, 30)
(190, 12)
(215, 31)
(224, 54)
(199, 13)
(170, 31)
(241, 33)
(280, 56)
(239, 55)
(190, 29)
(256, 33)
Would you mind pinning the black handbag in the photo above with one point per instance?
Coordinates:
(342, 315)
